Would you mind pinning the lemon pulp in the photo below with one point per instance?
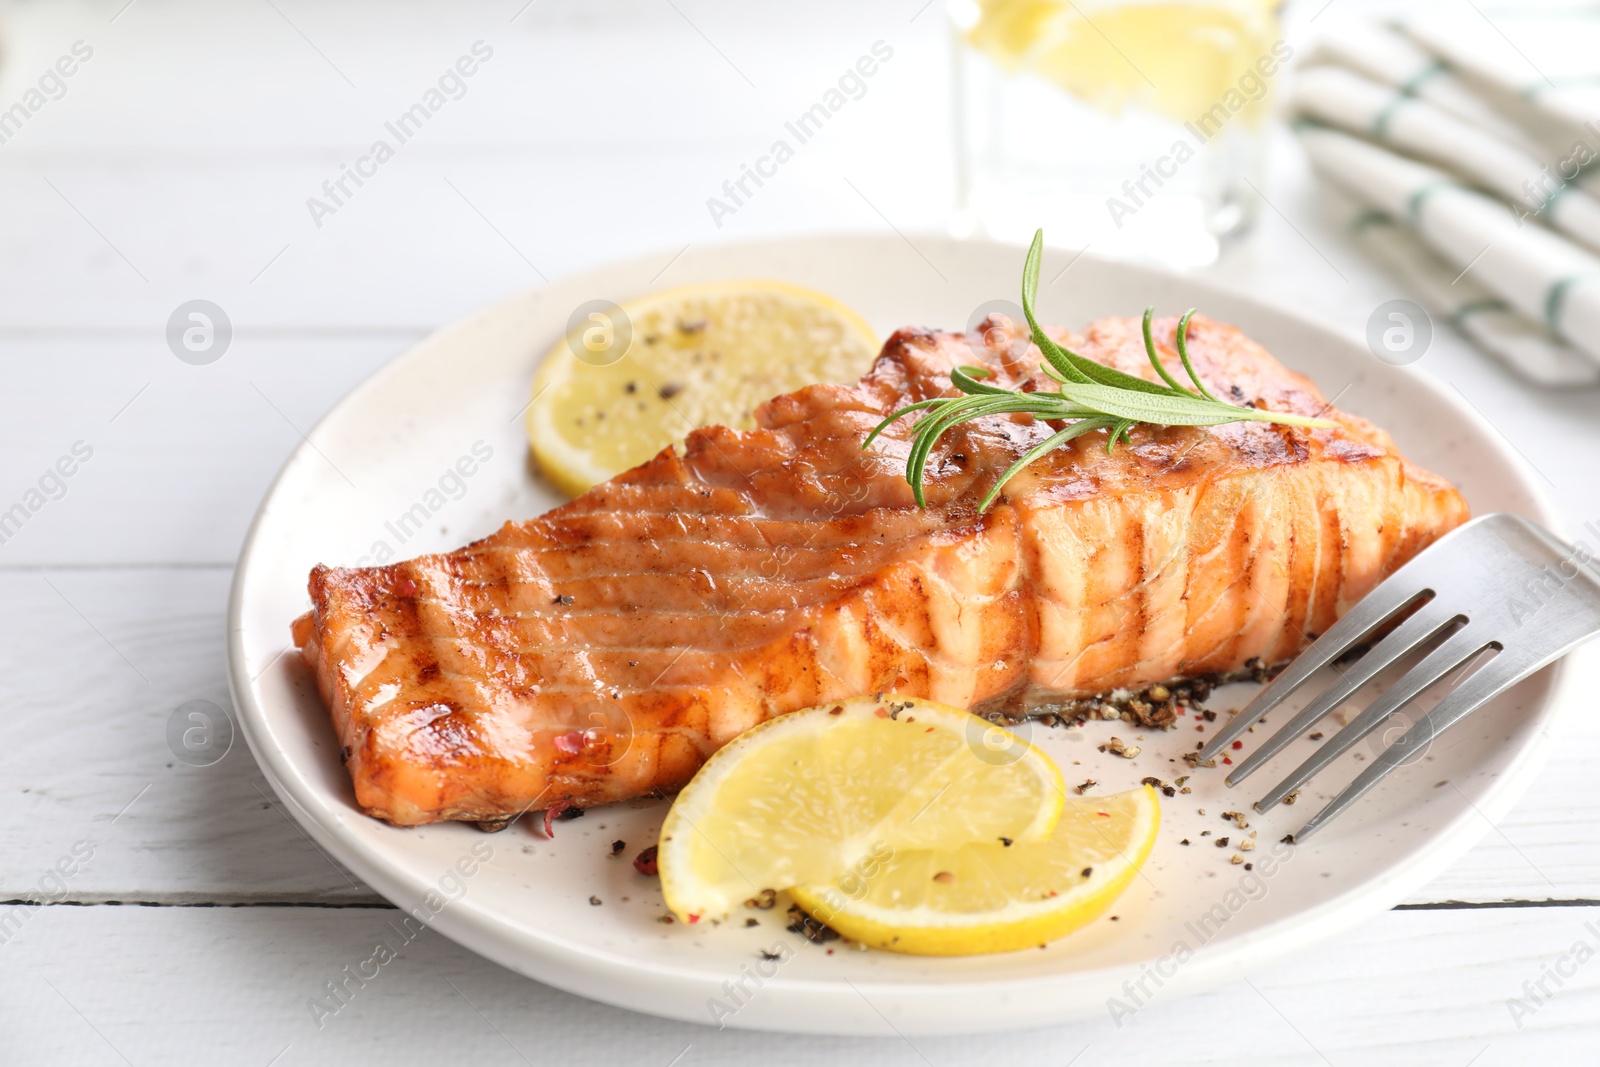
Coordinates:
(815, 796)
(621, 387)
(989, 897)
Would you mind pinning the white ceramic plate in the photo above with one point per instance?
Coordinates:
(382, 475)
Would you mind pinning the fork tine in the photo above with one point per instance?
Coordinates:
(1489, 681)
(1501, 673)
(1392, 595)
(1424, 624)
(1457, 649)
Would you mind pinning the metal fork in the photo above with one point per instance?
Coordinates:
(1498, 584)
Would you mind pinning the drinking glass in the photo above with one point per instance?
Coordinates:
(1135, 128)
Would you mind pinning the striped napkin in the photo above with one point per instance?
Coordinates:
(1471, 147)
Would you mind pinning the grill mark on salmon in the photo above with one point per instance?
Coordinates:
(603, 650)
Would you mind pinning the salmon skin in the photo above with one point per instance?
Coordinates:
(605, 649)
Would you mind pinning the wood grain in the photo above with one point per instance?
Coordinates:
(1407, 988)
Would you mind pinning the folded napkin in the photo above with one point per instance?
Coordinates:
(1473, 309)
(1422, 130)
(1544, 55)
(1544, 277)
(1476, 171)
(1384, 54)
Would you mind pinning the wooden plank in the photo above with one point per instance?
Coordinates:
(133, 193)
(179, 456)
(435, 238)
(710, 68)
(98, 661)
(231, 986)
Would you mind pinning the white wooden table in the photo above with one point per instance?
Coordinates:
(176, 165)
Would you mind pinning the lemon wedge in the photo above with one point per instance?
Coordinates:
(988, 897)
(825, 794)
(625, 382)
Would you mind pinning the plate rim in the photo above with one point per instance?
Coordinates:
(560, 963)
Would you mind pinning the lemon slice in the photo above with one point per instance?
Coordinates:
(810, 797)
(627, 381)
(1179, 57)
(986, 897)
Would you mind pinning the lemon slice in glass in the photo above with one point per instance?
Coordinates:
(812, 797)
(1179, 57)
(625, 382)
(990, 897)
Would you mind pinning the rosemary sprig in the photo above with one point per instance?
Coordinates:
(1090, 396)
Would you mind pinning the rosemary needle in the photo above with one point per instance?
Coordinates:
(1090, 396)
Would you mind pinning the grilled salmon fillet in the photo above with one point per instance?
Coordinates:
(604, 650)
